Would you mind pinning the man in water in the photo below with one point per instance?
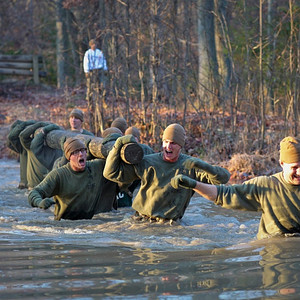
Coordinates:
(76, 122)
(79, 188)
(276, 196)
(157, 198)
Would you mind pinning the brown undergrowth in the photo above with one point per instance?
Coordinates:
(209, 134)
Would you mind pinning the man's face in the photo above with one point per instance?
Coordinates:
(291, 172)
(78, 160)
(75, 124)
(93, 47)
(171, 151)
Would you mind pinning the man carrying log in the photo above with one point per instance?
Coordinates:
(157, 199)
(79, 189)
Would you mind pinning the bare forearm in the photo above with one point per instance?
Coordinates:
(208, 191)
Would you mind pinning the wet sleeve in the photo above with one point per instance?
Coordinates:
(208, 173)
(244, 196)
(117, 170)
(46, 189)
(25, 135)
(43, 153)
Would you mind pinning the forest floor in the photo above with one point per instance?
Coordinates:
(20, 101)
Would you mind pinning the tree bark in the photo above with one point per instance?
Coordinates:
(60, 44)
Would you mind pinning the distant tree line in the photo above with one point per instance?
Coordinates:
(234, 56)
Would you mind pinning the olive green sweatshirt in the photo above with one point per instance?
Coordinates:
(14, 143)
(36, 171)
(156, 197)
(77, 195)
(278, 201)
(45, 155)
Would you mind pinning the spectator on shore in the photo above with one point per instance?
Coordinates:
(95, 69)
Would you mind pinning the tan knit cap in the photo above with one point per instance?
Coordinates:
(71, 144)
(111, 130)
(175, 133)
(290, 150)
(134, 131)
(77, 113)
(119, 123)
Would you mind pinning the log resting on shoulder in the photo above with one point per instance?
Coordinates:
(131, 153)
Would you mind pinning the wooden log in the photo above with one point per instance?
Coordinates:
(13, 58)
(16, 72)
(130, 153)
(55, 138)
(16, 65)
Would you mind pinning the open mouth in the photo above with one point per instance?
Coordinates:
(81, 161)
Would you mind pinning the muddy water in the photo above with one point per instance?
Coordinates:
(211, 254)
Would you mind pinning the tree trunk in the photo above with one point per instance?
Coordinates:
(153, 67)
(261, 82)
(60, 36)
(208, 65)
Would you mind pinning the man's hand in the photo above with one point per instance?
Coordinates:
(46, 203)
(123, 140)
(182, 181)
(50, 127)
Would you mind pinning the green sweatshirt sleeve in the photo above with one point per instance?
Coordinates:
(43, 153)
(212, 174)
(46, 189)
(25, 135)
(244, 196)
(117, 170)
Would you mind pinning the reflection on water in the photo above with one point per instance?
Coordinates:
(211, 254)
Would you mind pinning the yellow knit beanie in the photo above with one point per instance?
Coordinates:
(71, 144)
(175, 133)
(290, 150)
(77, 113)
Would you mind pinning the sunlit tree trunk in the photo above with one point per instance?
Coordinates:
(186, 34)
(261, 83)
(153, 67)
(208, 65)
(293, 69)
(70, 21)
(127, 66)
(140, 60)
(60, 36)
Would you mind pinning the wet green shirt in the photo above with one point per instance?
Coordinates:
(36, 171)
(14, 143)
(156, 197)
(278, 201)
(78, 195)
(45, 154)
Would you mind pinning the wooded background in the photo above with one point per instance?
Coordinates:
(227, 68)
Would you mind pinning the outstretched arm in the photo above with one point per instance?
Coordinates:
(208, 191)
(209, 173)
